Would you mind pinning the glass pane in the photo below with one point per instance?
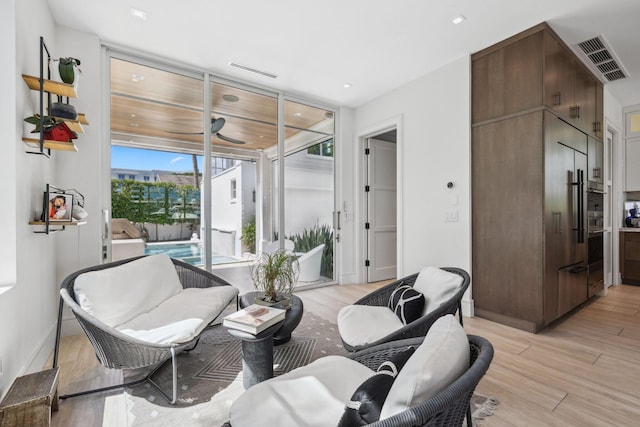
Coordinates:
(156, 161)
(309, 189)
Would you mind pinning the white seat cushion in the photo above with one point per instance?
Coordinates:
(437, 286)
(364, 324)
(180, 318)
(442, 358)
(310, 396)
(116, 295)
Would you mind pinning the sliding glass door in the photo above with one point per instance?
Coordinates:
(217, 205)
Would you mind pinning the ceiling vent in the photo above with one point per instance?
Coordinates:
(601, 59)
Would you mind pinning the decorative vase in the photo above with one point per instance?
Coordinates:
(68, 68)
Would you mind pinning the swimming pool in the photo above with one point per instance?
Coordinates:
(185, 251)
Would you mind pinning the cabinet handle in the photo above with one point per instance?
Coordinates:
(596, 126)
(574, 112)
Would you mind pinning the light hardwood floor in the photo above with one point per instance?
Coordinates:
(582, 371)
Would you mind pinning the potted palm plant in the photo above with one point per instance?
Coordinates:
(275, 274)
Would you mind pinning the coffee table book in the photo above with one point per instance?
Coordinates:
(254, 318)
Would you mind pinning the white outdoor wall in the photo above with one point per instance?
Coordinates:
(227, 214)
(309, 192)
(28, 310)
(434, 149)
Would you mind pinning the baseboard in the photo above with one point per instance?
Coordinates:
(467, 308)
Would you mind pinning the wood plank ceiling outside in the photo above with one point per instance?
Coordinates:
(153, 108)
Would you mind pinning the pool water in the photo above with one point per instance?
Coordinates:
(187, 252)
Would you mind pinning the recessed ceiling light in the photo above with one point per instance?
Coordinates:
(230, 98)
(137, 77)
(135, 125)
(140, 14)
(297, 114)
(347, 85)
(133, 115)
(458, 19)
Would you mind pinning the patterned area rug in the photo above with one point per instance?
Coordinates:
(210, 376)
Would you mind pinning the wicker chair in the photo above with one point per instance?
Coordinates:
(117, 350)
(419, 327)
(448, 407)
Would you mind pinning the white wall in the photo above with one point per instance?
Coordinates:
(10, 131)
(28, 310)
(346, 252)
(434, 148)
(614, 120)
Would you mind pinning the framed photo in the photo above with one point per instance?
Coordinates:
(59, 206)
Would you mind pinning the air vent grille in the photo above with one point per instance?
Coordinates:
(602, 59)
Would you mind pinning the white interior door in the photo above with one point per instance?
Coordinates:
(381, 225)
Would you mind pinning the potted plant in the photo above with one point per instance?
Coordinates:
(68, 69)
(275, 274)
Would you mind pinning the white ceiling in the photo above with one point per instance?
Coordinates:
(316, 46)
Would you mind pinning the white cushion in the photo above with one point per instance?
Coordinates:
(437, 286)
(116, 295)
(310, 396)
(364, 324)
(442, 358)
(180, 318)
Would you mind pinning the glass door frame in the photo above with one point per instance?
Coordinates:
(113, 51)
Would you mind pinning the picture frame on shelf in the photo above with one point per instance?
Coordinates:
(59, 207)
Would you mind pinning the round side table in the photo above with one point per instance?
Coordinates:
(257, 355)
(291, 320)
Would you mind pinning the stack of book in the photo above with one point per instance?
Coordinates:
(254, 319)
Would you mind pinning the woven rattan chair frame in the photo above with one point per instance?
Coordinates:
(120, 351)
(420, 326)
(449, 406)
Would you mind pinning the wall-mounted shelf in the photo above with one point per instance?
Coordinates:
(49, 223)
(51, 86)
(51, 145)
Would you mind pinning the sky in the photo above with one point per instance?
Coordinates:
(136, 158)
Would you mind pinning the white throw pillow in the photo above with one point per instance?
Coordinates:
(437, 286)
(442, 358)
(116, 295)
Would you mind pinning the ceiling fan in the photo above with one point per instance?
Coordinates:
(216, 126)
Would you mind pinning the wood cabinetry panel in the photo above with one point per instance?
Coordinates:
(507, 216)
(521, 88)
(508, 80)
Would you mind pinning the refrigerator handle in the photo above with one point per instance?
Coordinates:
(579, 184)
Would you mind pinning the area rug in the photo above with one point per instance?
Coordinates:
(210, 376)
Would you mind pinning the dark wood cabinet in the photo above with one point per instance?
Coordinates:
(596, 163)
(526, 151)
(532, 69)
(630, 257)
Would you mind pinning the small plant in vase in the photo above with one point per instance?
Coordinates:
(275, 274)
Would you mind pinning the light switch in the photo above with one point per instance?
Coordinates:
(451, 216)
